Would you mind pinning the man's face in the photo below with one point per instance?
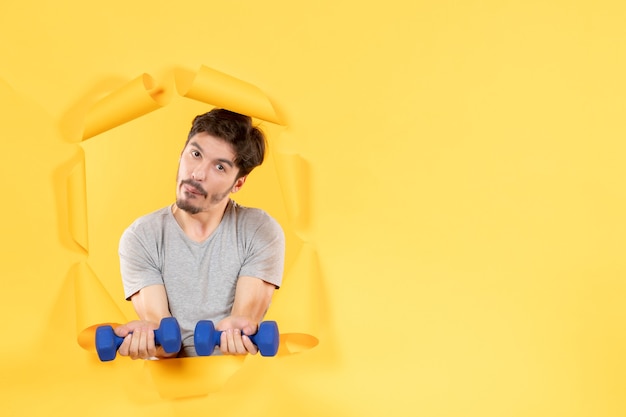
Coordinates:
(206, 174)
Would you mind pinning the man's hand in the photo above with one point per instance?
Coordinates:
(235, 332)
(139, 340)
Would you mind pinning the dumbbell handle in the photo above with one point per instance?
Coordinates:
(158, 339)
(107, 342)
(217, 337)
(206, 338)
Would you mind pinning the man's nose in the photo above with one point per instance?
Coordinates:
(199, 173)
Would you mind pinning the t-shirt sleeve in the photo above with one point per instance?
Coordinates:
(138, 262)
(266, 253)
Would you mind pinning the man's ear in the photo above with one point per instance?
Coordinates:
(239, 182)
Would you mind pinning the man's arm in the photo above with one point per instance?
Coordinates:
(252, 299)
(151, 306)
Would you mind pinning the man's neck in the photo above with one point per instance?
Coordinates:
(199, 226)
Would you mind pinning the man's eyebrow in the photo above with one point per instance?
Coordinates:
(221, 160)
(226, 161)
(195, 144)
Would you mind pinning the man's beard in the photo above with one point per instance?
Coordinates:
(188, 207)
(186, 204)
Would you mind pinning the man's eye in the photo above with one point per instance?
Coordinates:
(195, 154)
(220, 167)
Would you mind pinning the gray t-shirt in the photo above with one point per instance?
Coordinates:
(200, 278)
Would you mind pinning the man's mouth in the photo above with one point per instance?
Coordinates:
(192, 187)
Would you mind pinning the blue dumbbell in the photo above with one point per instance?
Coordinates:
(206, 338)
(167, 335)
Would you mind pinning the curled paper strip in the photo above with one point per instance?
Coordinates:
(77, 204)
(139, 97)
(291, 343)
(299, 320)
(222, 90)
(295, 184)
(144, 95)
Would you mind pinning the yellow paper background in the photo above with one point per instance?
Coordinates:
(460, 168)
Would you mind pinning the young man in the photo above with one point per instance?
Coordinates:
(204, 257)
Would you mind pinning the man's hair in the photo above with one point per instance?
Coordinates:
(247, 141)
